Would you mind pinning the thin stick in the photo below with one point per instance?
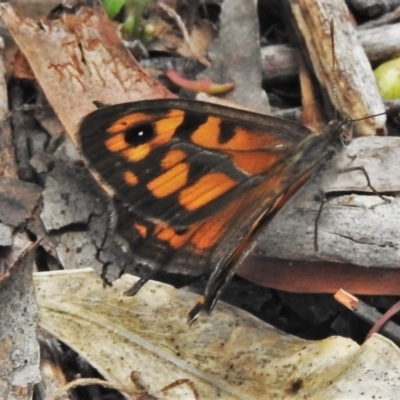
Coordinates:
(367, 313)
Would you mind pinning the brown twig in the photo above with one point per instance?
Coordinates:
(369, 314)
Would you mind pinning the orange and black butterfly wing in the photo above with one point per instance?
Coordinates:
(155, 152)
(174, 165)
(193, 181)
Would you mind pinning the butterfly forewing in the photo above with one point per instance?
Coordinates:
(181, 161)
(194, 181)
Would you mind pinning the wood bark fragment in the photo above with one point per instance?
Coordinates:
(381, 43)
(344, 73)
(8, 165)
(279, 62)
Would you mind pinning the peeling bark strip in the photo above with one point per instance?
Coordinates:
(320, 276)
(357, 92)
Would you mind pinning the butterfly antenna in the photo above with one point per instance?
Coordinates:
(369, 116)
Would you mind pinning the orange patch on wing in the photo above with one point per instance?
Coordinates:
(137, 153)
(205, 189)
(253, 162)
(206, 234)
(169, 182)
(165, 128)
(244, 139)
(130, 178)
(141, 229)
(123, 123)
(207, 135)
(116, 143)
(168, 234)
(203, 235)
(173, 158)
(209, 233)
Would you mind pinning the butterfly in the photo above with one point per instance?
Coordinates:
(194, 182)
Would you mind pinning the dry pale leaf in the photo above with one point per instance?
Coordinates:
(229, 355)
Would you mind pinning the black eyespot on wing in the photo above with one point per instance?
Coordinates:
(139, 134)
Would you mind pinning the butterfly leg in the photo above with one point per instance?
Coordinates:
(202, 305)
(369, 185)
(140, 283)
(323, 200)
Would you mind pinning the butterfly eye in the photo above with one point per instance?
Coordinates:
(346, 132)
(139, 134)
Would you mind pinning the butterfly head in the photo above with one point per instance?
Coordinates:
(345, 131)
(340, 132)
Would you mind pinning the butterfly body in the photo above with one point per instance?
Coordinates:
(194, 182)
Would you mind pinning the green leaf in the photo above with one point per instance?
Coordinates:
(113, 7)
